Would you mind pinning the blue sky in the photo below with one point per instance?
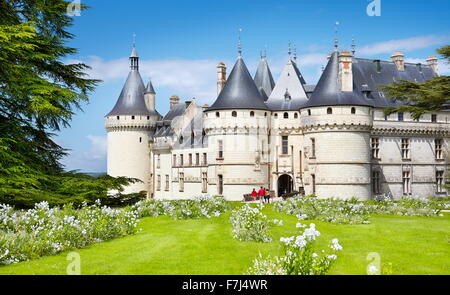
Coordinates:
(180, 43)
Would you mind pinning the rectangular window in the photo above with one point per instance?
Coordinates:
(204, 182)
(401, 116)
(376, 184)
(313, 147)
(190, 159)
(220, 185)
(406, 182)
(158, 161)
(174, 160)
(167, 183)
(205, 159)
(220, 149)
(197, 159)
(158, 182)
(313, 179)
(440, 182)
(375, 148)
(181, 160)
(406, 149)
(181, 182)
(433, 118)
(285, 145)
(438, 143)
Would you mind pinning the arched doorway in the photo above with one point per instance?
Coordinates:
(285, 185)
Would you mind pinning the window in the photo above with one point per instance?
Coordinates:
(406, 182)
(405, 148)
(217, 114)
(167, 183)
(181, 139)
(438, 143)
(158, 161)
(181, 182)
(197, 159)
(285, 145)
(440, 182)
(353, 111)
(132, 117)
(204, 182)
(220, 149)
(329, 111)
(313, 147)
(158, 183)
(148, 117)
(375, 147)
(181, 160)
(265, 114)
(220, 185)
(190, 159)
(401, 116)
(376, 184)
(276, 116)
(234, 114)
(140, 139)
(313, 180)
(295, 116)
(175, 160)
(205, 159)
(309, 112)
(433, 118)
(118, 117)
(252, 114)
(192, 138)
(203, 136)
(286, 115)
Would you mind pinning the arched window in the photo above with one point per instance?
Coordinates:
(276, 116)
(234, 114)
(252, 114)
(353, 111)
(329, 111)
(217, 114)
(286, 115)
(309, 112)
(295, 116)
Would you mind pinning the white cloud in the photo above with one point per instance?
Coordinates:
(98, 147)
(407, 44)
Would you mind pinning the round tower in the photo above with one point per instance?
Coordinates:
(237, 129)
(336, 123)
(130, 127)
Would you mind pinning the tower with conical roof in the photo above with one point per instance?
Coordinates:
(336, 122)
(130, 126)
(237, 129)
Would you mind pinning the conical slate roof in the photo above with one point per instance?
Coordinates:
(149, 88)
(328, 91)
(240, 91)
(264, 79)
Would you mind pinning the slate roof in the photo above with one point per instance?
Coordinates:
(264, 79)
(239, 92)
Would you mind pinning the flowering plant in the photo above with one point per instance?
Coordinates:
(250, 224)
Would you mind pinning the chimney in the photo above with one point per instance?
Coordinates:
(433, 63)
(398, 59)
(174, 100)
(346, 71)
(221, 77)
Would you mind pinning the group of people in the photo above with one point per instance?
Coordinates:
(262, 193)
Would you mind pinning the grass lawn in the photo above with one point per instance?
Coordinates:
(412, 245)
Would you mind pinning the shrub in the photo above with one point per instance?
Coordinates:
(300, 256)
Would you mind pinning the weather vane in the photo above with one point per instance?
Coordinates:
(336, 36)
(240, 43)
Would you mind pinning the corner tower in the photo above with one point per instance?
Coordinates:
(336, 123)
(130, 126)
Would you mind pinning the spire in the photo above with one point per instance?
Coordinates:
(240, 91)
(149, 88)
(239, 44)
(336, 37)
(353, 46)
(134, 57)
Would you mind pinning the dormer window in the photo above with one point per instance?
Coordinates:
(287, 95)
(181, 140)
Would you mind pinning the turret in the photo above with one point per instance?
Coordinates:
(150, 96)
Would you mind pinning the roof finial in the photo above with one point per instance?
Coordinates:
(134, 40)
(289, 49)
(240, 43)
(353, 46)
(336, 36)
(295, 53)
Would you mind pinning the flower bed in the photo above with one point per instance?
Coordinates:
(42, 231)
(199, 207)
(300, 256)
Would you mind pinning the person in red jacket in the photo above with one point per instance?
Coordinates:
(254, 194)
(262, 194)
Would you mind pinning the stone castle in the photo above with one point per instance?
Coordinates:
(331, 139)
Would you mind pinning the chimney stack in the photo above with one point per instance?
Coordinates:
(174, 100)
(398, 59)
(433, 63)
(221, 77)
(346, 71)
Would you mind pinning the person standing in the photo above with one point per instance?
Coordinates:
(262, 194)
(254, 194)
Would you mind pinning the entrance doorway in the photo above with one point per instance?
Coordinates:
(285, 185)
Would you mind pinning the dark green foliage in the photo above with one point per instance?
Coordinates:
(39, 94)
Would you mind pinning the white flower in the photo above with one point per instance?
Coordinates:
(335, 245)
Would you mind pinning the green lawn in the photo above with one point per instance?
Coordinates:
(412, 245)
